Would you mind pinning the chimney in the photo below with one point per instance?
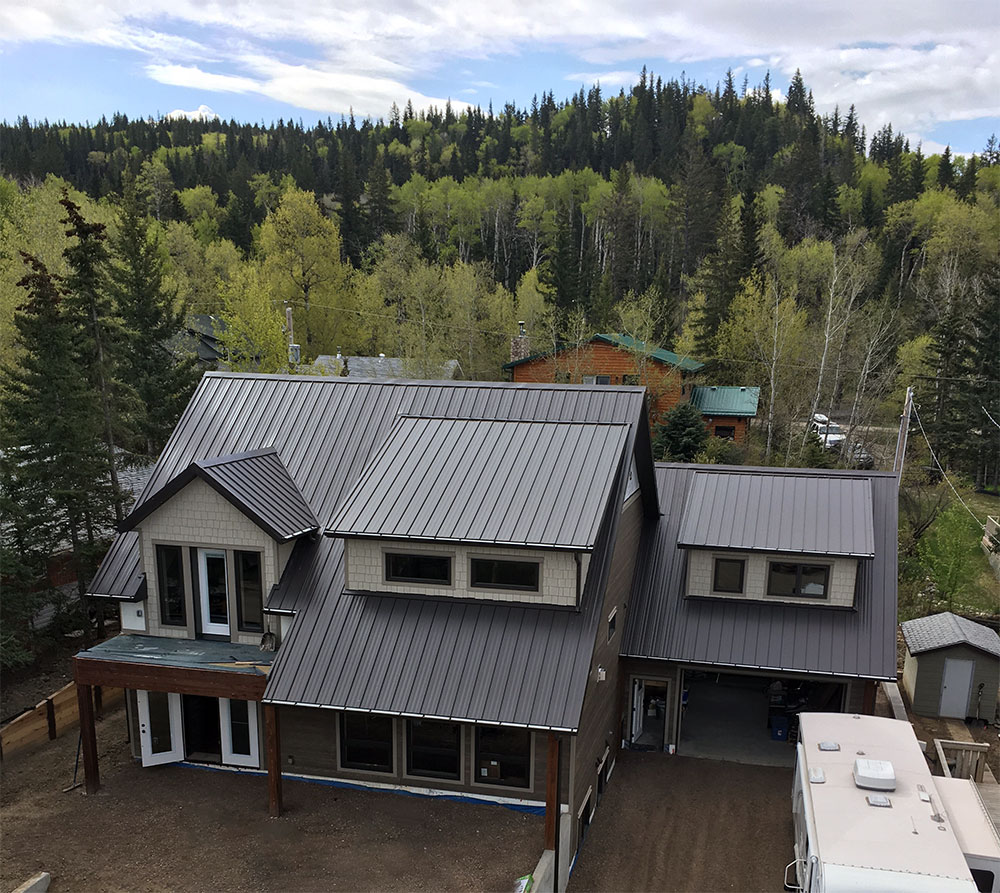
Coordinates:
(520, 344)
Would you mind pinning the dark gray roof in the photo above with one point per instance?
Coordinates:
(120, 575)
(256, 482)
(482, 662)
(807, 513)
(382, 367)
(663, 624)
(947, 629)
(524, 483)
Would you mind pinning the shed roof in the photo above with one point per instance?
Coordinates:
(502, 482)
(626, 342)
(947, 629)
(804, 512)
(256, 482)
(758, 634)
(490, 662)
(715, 400)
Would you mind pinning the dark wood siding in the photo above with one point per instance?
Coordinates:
(600, 719)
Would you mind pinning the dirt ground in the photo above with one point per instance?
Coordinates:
(22, 689)
(684, 824)
(178, 828)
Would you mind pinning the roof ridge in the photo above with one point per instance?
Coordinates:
(510, 421)
(235, 457)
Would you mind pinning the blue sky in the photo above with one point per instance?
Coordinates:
(932, 70)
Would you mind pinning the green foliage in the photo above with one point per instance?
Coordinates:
(950, 556)
(682, 434)
(722, 451)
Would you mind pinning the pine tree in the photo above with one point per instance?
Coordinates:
(52, 460)
(681, 435)
(162, 379)
(946, 170)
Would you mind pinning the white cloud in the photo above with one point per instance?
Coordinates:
(203, 112)
(917, 63)
(622, 78)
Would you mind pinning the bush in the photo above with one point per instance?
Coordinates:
(950, 556)
(722, 451)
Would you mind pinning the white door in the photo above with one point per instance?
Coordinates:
(213, 586)
(955, 687)
(240, 740)
(638, 696)
(161, 727)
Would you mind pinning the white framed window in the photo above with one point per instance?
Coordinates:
(240, 736)
(213, 591)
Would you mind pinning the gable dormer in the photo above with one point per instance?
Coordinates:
(776, 537)
(213, 541)
(481, 509)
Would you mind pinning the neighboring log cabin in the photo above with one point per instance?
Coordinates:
(480, 590)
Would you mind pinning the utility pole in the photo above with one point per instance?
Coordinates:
(904, 430)
(294, 351)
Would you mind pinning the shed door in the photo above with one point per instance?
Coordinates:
(955, 686)
(161, 727)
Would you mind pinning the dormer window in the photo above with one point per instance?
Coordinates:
(170, 583)
(493, 573)
(797, 580)
(412, 567)
(727, 575)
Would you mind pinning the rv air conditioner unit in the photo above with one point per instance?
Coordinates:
(874, 775)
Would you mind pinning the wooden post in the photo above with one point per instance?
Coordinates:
(868, 705)
(50, 716)
(88, 737)
(272, 734)
(552, 792)
(98, 703)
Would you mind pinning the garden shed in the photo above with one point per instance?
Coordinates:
(952, 666)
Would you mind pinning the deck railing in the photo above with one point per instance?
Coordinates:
(961, 759)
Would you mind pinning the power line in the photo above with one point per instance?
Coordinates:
(995, 422)
(943, 472)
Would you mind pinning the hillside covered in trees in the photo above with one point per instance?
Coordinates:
(790, 250)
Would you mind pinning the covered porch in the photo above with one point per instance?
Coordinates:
(177, 678)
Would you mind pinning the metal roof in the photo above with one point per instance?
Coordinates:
(715, 400)
(256, 482)
(482, 662)
(380, 367)
(625, 342)
(524, 483)
(947, 629)
(663, 624)
(801, 512)
(120, 575)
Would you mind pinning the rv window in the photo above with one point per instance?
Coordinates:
(984, 879)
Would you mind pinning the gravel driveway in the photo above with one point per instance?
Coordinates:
(677, 823)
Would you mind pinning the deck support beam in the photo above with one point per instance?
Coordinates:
(88, 737)
(552, 792)
(272, 735)
(868, 704)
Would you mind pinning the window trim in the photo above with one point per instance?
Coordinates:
(407, 771)
(159, 586)
(501, 588)
(450, 556)
(476, 782)
(341, 739)
(241, 623)
(205, 625)
(743, 575)
(826, 565)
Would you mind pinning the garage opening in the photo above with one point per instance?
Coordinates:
(749, 719)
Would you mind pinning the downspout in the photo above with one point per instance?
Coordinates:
(579, 576)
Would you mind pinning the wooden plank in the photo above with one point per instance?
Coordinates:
(88, 738)
(183, 680)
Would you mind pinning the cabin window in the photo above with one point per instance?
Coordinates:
(494, 573)
(797, 580)
(602, 379)
(170, 582)
(366, 742)
(250, 591)
(411, 567)
(727, 432)
(503, 756)
(727, 575)
(433, 748)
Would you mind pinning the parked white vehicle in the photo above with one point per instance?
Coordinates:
(830, 433)
(869, 816)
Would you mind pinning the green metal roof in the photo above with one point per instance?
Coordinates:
(625, 342)
(725, 400)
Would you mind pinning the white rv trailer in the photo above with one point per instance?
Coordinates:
(869, 816)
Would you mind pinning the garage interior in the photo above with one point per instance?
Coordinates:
(749, 719)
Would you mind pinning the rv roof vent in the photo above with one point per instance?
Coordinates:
(829, 745)
(879, 800)
(874, 775)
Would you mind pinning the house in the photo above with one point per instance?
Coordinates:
(614, 358)
(451, 587)
(202, 336)
(951, 667)
(728, 411)
(382, 367)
